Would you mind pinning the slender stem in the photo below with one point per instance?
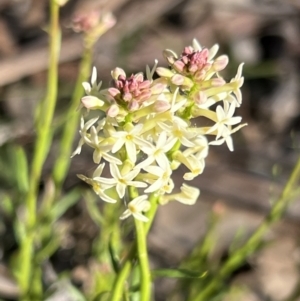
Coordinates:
(118, 286)
(145, 287)
(239, 256)
(45, 117)
(62, 163)
(41, 148)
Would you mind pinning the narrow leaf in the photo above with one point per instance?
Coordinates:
(177, 273)
(113, 256)
(20, 166)
(65, 203)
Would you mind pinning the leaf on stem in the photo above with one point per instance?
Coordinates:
(177, 273)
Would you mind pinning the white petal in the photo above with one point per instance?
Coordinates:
(234, 120)
(121, 190)
(125, 214)
(114, 170)
(87, 87)
(106, 198)
(131, 151)
(213, 51)
(94, 76)
(140, 217)
(196, 45)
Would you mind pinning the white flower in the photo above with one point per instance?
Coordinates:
(227, 137)
(162, 178)
(224, 118)
(129, 137)
(122, 181)
(238, 81)
(136, 207)
(97, 186)
(84, 127)
(187, 196)
(93, 87)
(191, 162)
(101, 149)
(179, 131)
(200, 150)
(158, 152)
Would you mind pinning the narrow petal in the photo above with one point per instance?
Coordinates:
(121, 190)
(140, 217)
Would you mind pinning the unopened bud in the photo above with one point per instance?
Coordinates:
(117, 72)
(161, 106)
(92, 102)
(112, 111)
(179, 66)
(220, 63)
(164, 72)
(113, 92)
(158, 88)
(180, 80)
(85, 22)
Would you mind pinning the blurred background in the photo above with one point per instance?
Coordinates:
(238, 187)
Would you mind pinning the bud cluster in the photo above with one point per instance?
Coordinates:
(145, 129)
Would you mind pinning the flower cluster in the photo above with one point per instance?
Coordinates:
(145, 128)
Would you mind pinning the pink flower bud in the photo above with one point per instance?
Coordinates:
(177, 79)
(144, 95)
(109, 20)
(91, 102)
(113, 110)
(179, 66)
(85, 22)
(161, 106)
(113, 92)
(220, 63)
(180, 80)
(158, 88)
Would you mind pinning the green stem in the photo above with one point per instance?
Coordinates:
(43, 138)
(41, 148)
(119, 282)
(239, 256)
(62, 163)
(145, 287)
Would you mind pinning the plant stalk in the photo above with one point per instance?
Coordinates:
(145, 287)
(62, 163)
(41, 149)
(123, 274)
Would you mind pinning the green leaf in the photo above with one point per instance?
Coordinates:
(6, 172)
(20, 166)
(177, 273)
(13, 168)
(65, 203)
(48, 249)
(103, 296)
(113, 256)
(6, 204)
